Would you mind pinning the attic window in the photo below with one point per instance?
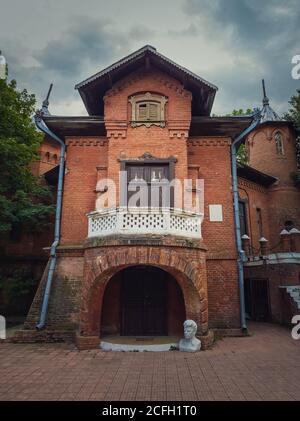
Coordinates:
(148, 109)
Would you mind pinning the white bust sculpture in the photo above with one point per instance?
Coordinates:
(189, 343)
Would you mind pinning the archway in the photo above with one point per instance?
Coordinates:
(186, 265)
(142, 300)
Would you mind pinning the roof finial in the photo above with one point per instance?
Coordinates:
(265, 98)
(267, 112)
(46, 101)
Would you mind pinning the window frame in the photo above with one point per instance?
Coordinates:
(244, 203)
(148, 98)
(143, 161)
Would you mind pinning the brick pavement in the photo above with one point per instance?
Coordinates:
(265, 366)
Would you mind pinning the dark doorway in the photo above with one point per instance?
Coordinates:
(257, 299)
(144, 301)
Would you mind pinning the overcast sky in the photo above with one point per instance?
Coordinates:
(231, 43)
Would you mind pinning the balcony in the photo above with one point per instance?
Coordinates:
(145, 221)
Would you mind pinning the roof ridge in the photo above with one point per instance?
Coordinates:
(136, 54)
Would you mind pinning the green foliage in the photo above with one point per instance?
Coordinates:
(294, 112)
(242, 156)
(17, 290)
(241, 112)
(23, 198)
(294, 115)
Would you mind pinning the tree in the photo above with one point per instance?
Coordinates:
(294, 115)
(24, 200)
(294, 112)
(242, 156)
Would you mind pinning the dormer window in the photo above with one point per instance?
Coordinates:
(148, 109)
(279, 143)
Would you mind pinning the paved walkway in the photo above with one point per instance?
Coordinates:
(265, 366)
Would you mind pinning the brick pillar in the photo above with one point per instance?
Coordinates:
(263, 242)
(295, 240)
(285, 241)
(246, 244)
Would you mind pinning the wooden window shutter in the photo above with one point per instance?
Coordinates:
(153, 112)
(142, 112)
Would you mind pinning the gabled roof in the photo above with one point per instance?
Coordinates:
(93, 88)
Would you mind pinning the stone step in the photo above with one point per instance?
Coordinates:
(294, 293)
(295, 288)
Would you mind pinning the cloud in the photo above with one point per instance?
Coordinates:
(141, 33)
(85, 47)
(259, 39)
(232, 43)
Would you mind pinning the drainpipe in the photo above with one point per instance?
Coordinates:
(241, 254)
(44, 128)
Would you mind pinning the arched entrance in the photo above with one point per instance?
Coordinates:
(185, 265)
(142, 300)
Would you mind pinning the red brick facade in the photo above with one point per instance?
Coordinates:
(205, 269)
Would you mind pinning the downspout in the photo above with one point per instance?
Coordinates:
(44, 128)
(241, 254)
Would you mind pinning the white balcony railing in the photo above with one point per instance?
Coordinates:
(144, 221)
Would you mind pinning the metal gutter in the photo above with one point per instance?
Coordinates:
(40, 123)
(241, 254)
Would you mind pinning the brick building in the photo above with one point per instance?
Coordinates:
(142, 271)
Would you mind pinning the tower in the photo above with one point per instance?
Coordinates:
(272, 150)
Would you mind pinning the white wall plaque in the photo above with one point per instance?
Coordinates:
(215, 213)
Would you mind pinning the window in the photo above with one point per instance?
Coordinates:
(243, 217)
(279, 143)
(146, 181)
(148, 109)
(259, 222)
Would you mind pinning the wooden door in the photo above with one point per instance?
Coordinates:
(143, 302)
(149, 176)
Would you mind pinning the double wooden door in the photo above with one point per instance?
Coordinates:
(148, 178)
(143, 301)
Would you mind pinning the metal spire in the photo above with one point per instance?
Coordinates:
(267, 112)
(265, 98)
(45, 110)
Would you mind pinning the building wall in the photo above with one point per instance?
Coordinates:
(255, 197)
(209, 159)
(132, 142)
(277, 275)
(49, 153)
(84, 157)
